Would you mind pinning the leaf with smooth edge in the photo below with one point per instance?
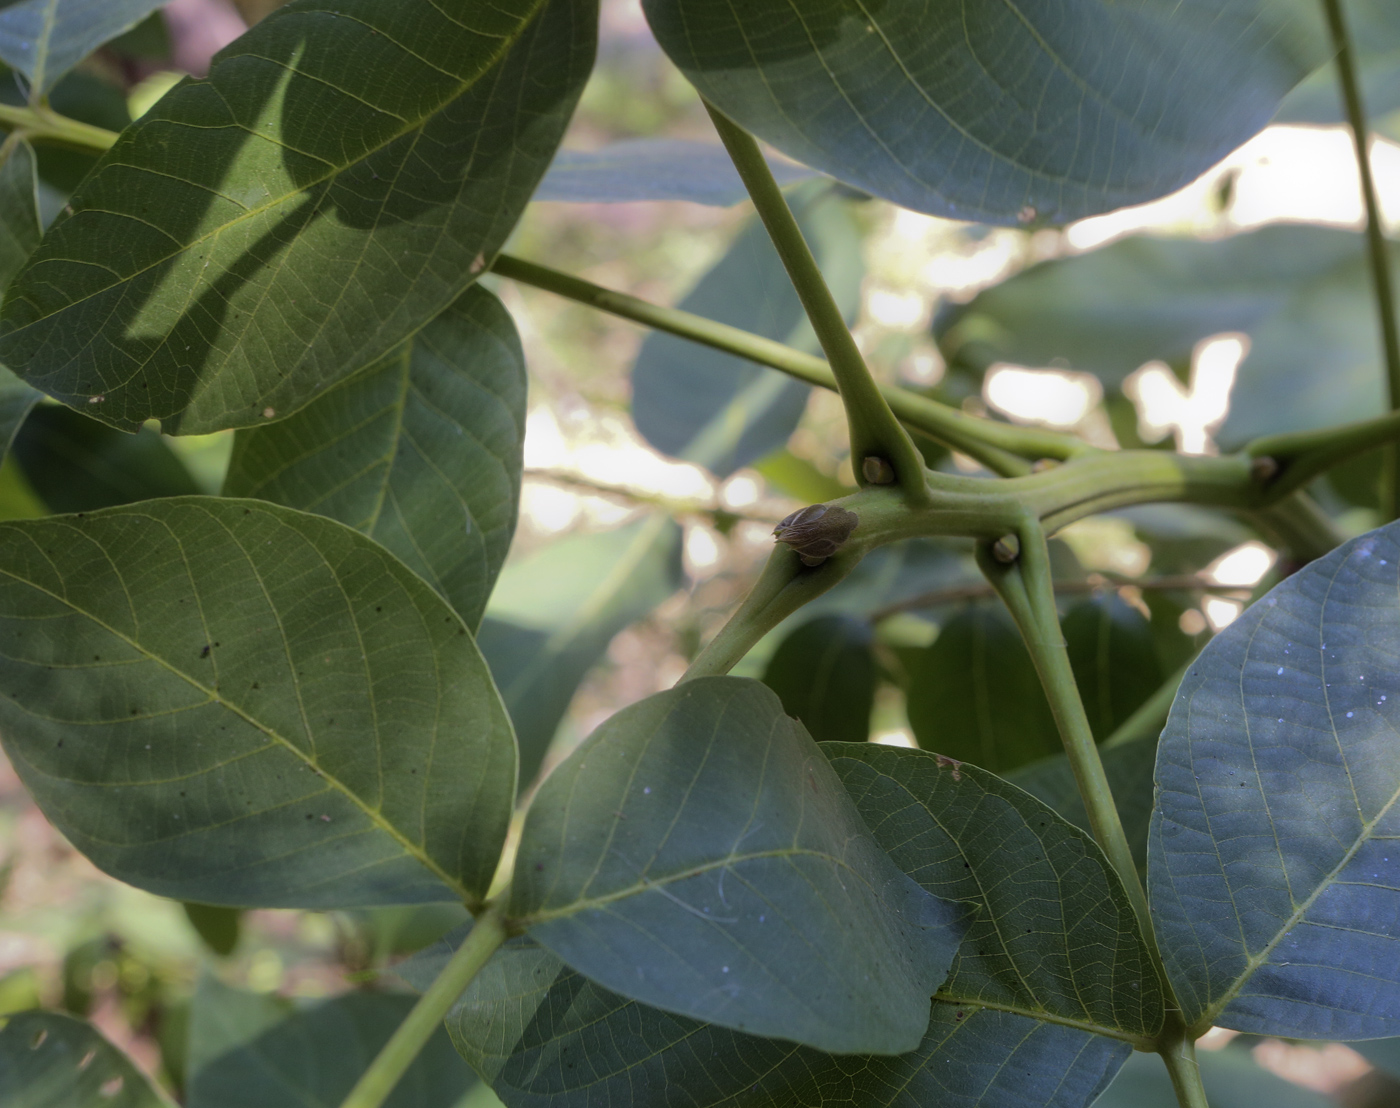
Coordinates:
(698, 854)
(1301, 294)
(554, 613)
(44, 39)
(76, 464)
(654, 169)
(224, 1019)
(824, 673)
(1114, 659)
(1273, 862)
(41, 1066)
(421, 451)
(992, 112)
(345, 172)
(543, 1035)
(236, 703)
(974, 695)
(314, 1056)
(720, 411)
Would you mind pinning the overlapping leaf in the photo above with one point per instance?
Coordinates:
(344, 173)
(654, 169)
(1273, 864)
(721, 411)
(698, 854)
(44, 39)
(19, 235)
(997, 112)
(824, 673)
(1114, 659)
(1052, 953)
(422, 451)
(49, 1060)
(554, 613)
(315, 1055)
(235, 703)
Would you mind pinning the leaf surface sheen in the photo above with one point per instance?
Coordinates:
(344, 173)
(698, 854)
(44, 39)
(1054, 946)
(1273, 866)
(997, 112)
(41, 1055)
(422, 451)
(235, 703)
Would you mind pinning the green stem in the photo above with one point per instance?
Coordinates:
(44, 123)
(1300, 526)
(377, 1082)
(1180, 1057)
(1001, 447)
(882, 451)
(1375, 234)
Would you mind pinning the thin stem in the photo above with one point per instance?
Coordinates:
(882, 451)
(1375, 234)
(1001, 447)
(377, 1082)
(1179, 1055)
(45, 124)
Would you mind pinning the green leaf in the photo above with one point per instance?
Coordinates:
(314, 1056)
(654, 169)
(19, 235)
(235, 703)
(824, 673)
(340, 178)
(1114, 657)
(76, 464)
(1008, 1025)
(42, 1066)
(44, 39)
(1272, 866)
(697, 853)
(1375, 37)
(224, 1019)
(997, 113)
(974, 695)
(1301, 293)
(1232, 1079)
(218, 927)
(422, 451)
(554, 613)
(720, 411)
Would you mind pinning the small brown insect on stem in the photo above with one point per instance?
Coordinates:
(817, 532)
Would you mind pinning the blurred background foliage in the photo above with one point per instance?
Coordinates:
(656, 470)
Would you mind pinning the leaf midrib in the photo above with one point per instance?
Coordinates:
(374, 816)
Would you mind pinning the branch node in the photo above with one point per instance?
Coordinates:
(1263, 470)
(877, 471)
(1006, 549)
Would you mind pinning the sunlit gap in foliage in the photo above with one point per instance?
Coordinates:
(1164, 405)
(1052, 397)
(1244, 566)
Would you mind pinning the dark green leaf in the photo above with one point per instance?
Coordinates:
(554, 613)
(824, 673)
(218, 927)
(19, 235)
(314, 1056)
(1375, 36)
(995, 112)
(235, 703)
(1008, 1026)
(224, 1019)
(697, 853)
(341, 177)
(421, 451)
(1129, 769)
(1232, 1079)
(1114, 657)
(42, 1066)
(974, 694)
(1301, 293)
(654, 169)
(76, 464)
(1273, 870)
(44, 39)
(720, 411)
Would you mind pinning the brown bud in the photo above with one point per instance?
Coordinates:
(1263, 470)
(1006, 549)
(817, 532)
(877, 471)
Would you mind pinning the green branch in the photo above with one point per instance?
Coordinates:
(882, 452)
(45, 124)
(392, 1062)
(1377, 247)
